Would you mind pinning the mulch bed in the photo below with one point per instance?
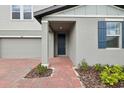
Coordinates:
(33, 74)
(91, 79)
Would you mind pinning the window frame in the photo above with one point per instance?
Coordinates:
(21, 13)
(15, 12)
(120, 35)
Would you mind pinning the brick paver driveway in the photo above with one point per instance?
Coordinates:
(12, 72)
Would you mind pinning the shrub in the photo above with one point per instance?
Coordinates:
(98, 67)
(83, 65)
(123, 67)
(40, 69)
(111, 75)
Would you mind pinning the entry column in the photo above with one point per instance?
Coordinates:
(44, 42)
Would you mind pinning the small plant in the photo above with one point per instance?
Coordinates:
(123, 67)
(83, 65)
(111, 75)
(40, 69)
(98, 67)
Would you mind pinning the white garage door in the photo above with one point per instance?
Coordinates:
(20, 48)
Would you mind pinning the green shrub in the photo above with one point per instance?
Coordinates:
(98, 67)
(111, 75)
(83, 65)
(40, 69)
(123, 68)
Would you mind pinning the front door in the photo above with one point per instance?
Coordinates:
(61, 44)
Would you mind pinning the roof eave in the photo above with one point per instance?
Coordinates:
(50, 10)
(56, 8)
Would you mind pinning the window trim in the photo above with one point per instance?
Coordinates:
(21, 14)
(120, 36)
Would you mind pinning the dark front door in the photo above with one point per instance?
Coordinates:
(61, 44)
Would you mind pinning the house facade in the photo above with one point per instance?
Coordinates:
(20, 33)
(91, 32)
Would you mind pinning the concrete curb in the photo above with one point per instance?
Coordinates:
(78, 77)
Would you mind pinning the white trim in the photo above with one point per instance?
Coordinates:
(20, 36)
(113, 48)
(113, 35)
(44, 21)
(10, 36)
(20, 29)
(10, 12)
(45, 65)
(31, 36)
(111, 19)
(21, 12)
(80, 16)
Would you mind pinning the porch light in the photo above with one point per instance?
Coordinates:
(60, 28)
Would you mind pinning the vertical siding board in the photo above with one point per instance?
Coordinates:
(92, 10)
(101, 34)
(101, 10)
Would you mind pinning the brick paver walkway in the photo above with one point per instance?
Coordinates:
(12, 70)
(12, 73)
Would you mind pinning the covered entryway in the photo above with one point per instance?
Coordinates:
(61, 31)
(20, 47)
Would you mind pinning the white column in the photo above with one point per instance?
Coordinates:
(44, 42)
(51, 44)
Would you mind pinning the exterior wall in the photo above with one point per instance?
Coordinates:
(72, 45)
(87, 44)
(6, 23)
(84, 40)
(19, 38)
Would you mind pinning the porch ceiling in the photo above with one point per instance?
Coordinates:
(61, 26)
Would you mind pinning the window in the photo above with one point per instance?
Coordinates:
(113, 30)
(111, 34)
(27, 10)
(15, 12)
(22, 12)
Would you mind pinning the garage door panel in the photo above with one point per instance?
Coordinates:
(21, 48)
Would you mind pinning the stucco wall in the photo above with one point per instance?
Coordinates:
(87, 44)
(72, 45)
